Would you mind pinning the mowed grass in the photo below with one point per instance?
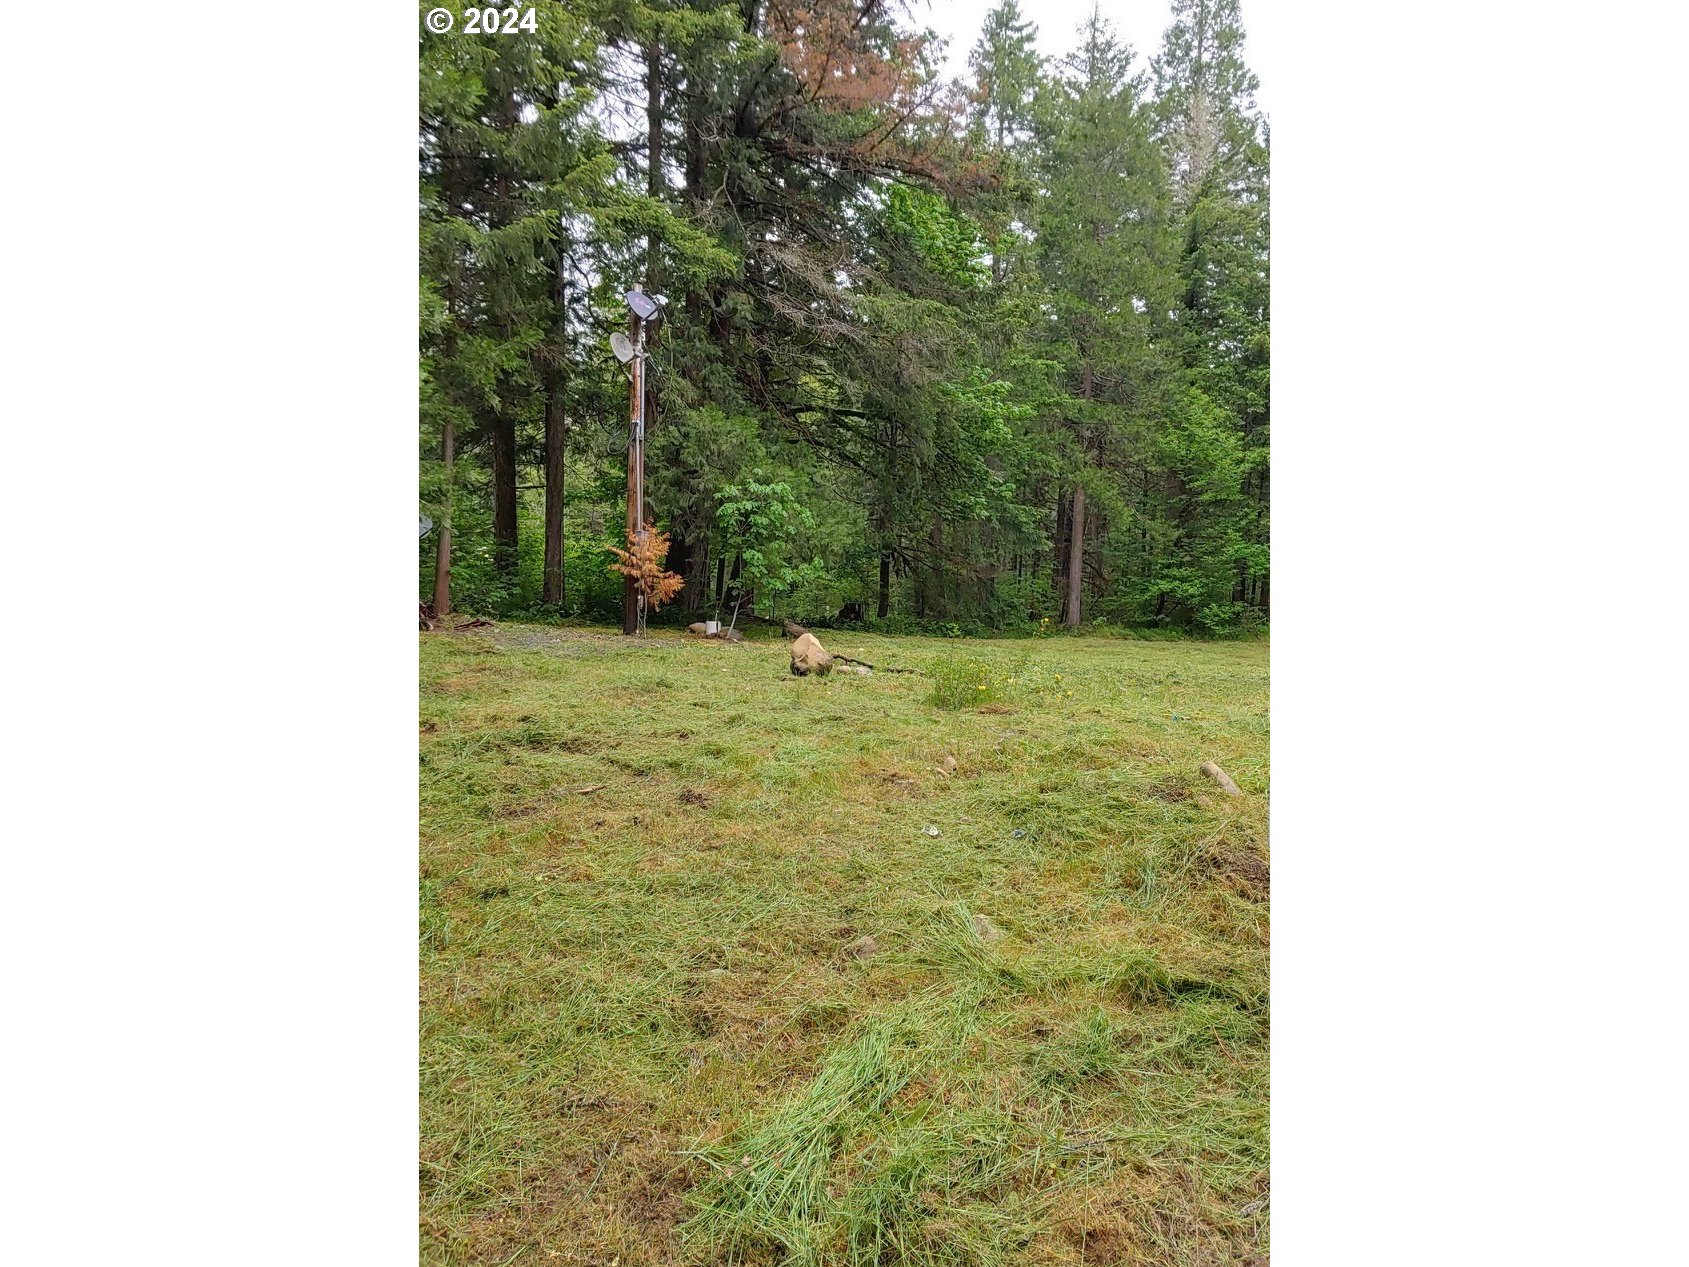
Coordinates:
(652, 1034)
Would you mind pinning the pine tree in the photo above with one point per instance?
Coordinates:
(506, 153)
(1007, 70)
(1105, 260)
(996, 354)
(1216, 453)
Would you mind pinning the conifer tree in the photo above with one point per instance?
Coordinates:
(1105, 261)
(1007, 350)
(1215, 569)
(1007, 69)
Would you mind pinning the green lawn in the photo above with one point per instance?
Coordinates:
(650, 1032)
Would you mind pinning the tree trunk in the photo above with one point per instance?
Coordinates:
(1058, 551)
(936, 604)
(1075, 559)
(443, 552)
(884, 607)
(1076, 535)
(556, 440)
(697, 576)
(733, 587)
(556, 435)
(504, 498)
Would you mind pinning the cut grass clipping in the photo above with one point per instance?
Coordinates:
(698, 987)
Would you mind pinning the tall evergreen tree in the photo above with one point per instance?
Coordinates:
(506, 153)
(1105, 261)
(1007, 69)
(1217, 455)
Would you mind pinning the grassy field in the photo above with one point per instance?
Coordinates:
(653, 1031)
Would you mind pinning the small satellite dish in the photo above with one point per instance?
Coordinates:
(644, 306)
(622, 346)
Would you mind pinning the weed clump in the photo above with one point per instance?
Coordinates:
(963, 681)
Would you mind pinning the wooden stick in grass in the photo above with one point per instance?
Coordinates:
(1222, 778)
(795, 630)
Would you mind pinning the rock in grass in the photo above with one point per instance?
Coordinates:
(696, 627)
(1222, 778)
(948, 765)
(809, 656)
(863, 946)
(930, 830)
(986, 930)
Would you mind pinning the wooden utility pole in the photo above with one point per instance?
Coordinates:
(636, 467)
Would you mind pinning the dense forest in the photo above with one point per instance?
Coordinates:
(959, 355)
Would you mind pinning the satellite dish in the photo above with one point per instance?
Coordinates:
(644, 306)
(423, 524)
(622, 346)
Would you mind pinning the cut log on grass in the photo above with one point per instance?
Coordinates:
(809, 656)
(795, 630)
(1222, 778)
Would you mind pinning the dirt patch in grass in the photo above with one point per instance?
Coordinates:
(1251, 873)
(1103, 1245)
(1169, 792)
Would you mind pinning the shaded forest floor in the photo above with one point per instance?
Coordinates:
(652, 1032)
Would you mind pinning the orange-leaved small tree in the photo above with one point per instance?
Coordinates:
(643, 561)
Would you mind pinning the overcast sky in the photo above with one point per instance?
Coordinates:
(1139, 22)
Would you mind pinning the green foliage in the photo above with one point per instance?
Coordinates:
(944, 242)
(763, 525)
(964, 681)
(1007, 71)
(899, 338)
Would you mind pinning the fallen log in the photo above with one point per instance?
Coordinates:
(795, 630)
(845, 659)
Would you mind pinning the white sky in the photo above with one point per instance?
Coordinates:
(1139, 22)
